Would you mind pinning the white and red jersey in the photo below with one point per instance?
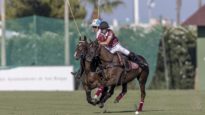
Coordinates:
(103, 37)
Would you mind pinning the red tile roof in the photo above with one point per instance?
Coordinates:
(198, 18)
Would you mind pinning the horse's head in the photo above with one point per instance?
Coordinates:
(81, 48)
(93, 51)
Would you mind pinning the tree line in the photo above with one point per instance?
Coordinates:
(55, 8)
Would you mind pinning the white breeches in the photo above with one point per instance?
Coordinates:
(119, 48)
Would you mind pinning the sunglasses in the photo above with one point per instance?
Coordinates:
(94, 26)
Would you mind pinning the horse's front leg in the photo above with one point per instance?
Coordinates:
(106, 96)
(104, 93)
(88, 97)
(123, 92)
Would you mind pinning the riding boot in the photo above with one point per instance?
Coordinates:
(131, 56)
(135, 58)
(140, 62)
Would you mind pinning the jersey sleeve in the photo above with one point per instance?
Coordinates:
(110, 34)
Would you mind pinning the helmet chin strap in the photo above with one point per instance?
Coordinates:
(104, 31)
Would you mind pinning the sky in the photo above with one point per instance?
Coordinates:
(165, 8)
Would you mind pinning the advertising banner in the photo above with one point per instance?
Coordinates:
(46, 78)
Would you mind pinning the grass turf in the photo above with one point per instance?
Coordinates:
(157, 102)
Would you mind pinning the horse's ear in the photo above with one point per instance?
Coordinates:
(85, 38)
(80, 38)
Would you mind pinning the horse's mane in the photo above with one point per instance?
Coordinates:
(96, 60)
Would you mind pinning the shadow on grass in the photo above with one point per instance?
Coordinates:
(153, 110)
(128, 111)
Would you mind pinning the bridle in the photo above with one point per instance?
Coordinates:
(82, 44)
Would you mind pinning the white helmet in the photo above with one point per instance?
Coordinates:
(96, 22)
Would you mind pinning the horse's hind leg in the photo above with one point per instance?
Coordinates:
(142, 82)
(123, 92)
(143, 94)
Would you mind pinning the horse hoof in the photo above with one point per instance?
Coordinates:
(94, 101)
(101, 105)
(91, 102)
(137, 113)
(98, 102)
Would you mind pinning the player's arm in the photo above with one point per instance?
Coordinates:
(108, 40)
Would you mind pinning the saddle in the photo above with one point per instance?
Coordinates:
(124, 62)
(128, 64)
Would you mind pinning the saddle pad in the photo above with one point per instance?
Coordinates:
(133, 65)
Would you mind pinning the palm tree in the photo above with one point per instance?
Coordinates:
(103, 5)
(49, 8)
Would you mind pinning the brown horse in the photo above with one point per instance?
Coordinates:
(114, 72)
(90, 79)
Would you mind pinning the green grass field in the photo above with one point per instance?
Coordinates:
(158, 102)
